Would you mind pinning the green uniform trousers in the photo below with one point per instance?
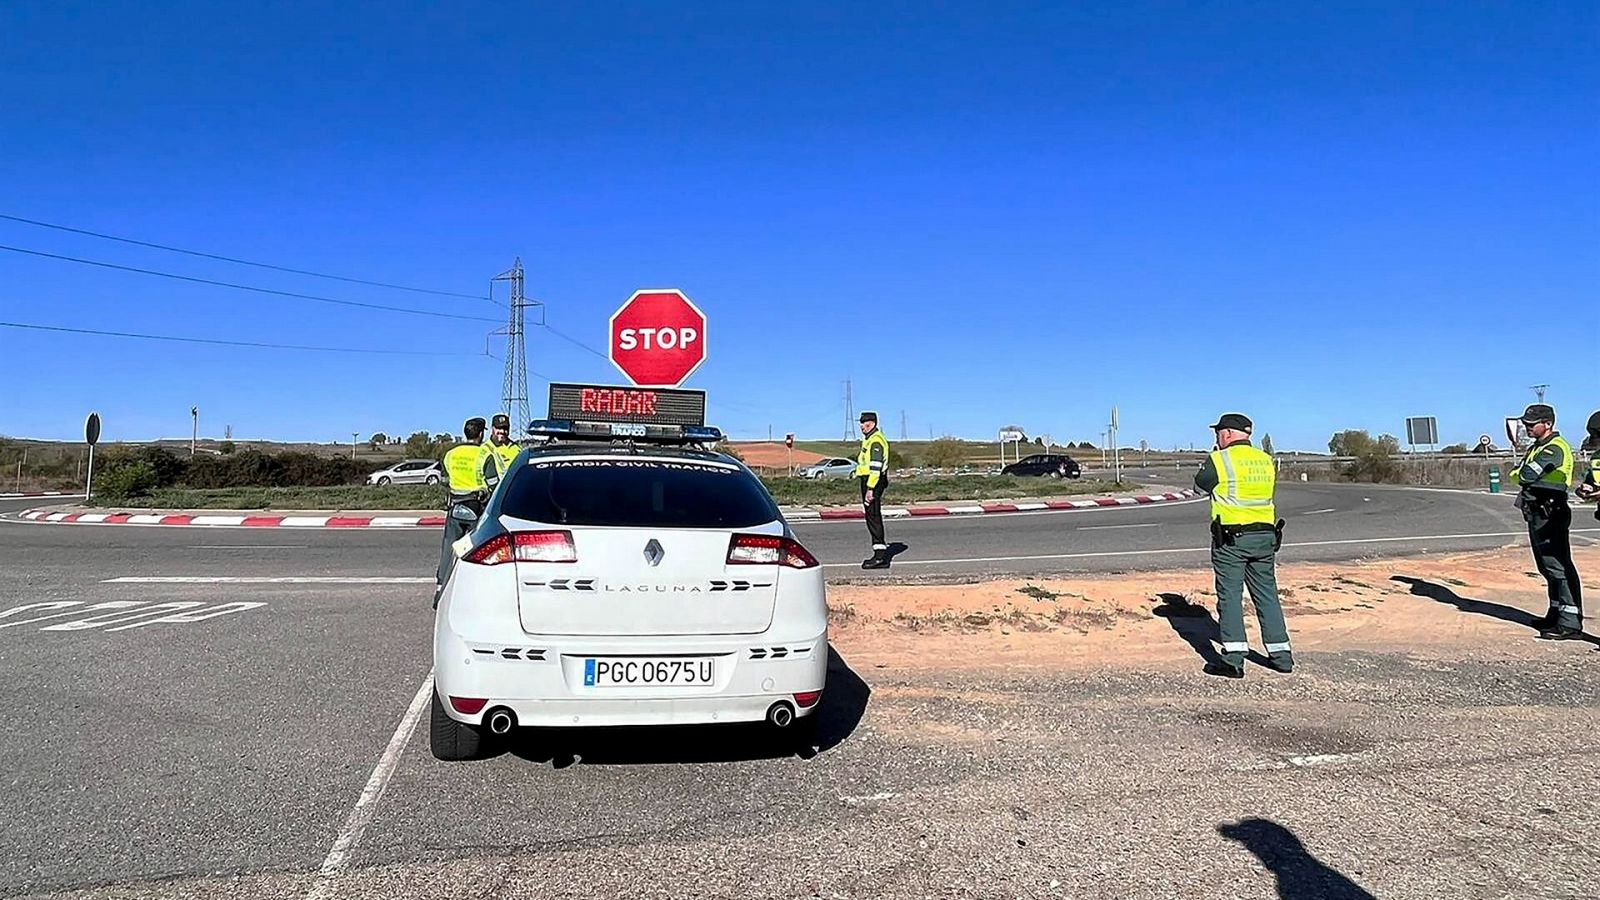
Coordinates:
(1550, 535)
(461, 518)
(1249, 559)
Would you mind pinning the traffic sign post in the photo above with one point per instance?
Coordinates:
(658, 338)
(91, 435)
(788, 443)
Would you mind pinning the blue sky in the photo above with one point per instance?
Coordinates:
(1326, 215)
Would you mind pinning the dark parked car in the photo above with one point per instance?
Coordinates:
(1053, 465)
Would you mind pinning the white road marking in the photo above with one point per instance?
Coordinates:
(266, 579)
(190, 616)
(870, 798)
(64, 604)
(1310, 761)
(1104, 553)
(250, 547)
(1109, 527)
(366, 807)
(117, 618)
(1318, 512)
(1089, 506)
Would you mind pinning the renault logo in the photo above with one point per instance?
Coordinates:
(653, 552)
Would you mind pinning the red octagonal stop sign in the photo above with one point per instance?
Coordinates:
(658, 338)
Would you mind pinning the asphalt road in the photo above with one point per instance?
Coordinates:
(226, 748)
(1326, 521)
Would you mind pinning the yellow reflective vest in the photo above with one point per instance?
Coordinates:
(1554, 452)
(873, 461)
(1246, 478)
(462, 466)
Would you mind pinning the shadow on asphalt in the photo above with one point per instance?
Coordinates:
(844, 703)
(896, 548)
(1300, 875)
(1197, 626)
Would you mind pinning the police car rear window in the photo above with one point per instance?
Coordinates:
(637, 493)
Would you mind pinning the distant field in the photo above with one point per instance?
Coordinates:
(787, 491)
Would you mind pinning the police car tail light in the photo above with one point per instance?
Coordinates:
(768, 550)
(544, 546)
(525, 546)
(493, 552)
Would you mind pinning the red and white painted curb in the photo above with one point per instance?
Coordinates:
(986, 506)
(39, 494)
(54, 517)
(233, 521)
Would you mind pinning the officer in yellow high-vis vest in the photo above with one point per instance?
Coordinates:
(463, 465)
(872, 471)
(499, 451)
(1590, 488)
(1245, 535)
(1545, 474)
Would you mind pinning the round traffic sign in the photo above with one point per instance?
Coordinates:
(91, 429)
(658, 338)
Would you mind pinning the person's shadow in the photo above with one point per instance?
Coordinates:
(896, 548)
(1197, 626)
(1441, 594)
(1300, 875)
(844, 703)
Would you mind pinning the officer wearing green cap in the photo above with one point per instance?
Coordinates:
(499, 451)
(1245, 535)
(463, 465)
(1545, 474)
(872, 471)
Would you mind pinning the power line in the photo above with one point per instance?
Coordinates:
(575, 342)
(246, 287)
(253, 344)
(235, 260)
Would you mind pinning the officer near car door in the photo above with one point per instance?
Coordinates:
(872, 471)
(463, 466)
(1545, 475)
(1245, 535)
(500, 451)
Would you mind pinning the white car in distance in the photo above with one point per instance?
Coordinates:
(409, 471)
(627, 584)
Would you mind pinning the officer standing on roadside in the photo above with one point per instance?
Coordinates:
(500, 451)
(1245, 535)
(463, 466)
(1590, 489)
(872, 470)
(1545, 475)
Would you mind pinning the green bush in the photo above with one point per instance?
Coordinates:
(127, 478)
(945, 453)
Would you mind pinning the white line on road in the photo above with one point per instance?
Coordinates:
(1318, 512)
(367, 804)
(250, 547)
(264, 579)
(1104, 553)
(1109, 527)
(987, 517)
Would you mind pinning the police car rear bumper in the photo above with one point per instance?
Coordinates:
(541, 678)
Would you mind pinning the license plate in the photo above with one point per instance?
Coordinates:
(642, 672)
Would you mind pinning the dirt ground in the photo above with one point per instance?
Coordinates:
(776, 456)
(1146, 617)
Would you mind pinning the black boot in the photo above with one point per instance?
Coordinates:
(1224, 669)
(878, 560)
(1558, 633)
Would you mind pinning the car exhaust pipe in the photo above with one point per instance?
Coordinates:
(780, 715)
(500, 721)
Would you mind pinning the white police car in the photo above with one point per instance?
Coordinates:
(622, 575)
